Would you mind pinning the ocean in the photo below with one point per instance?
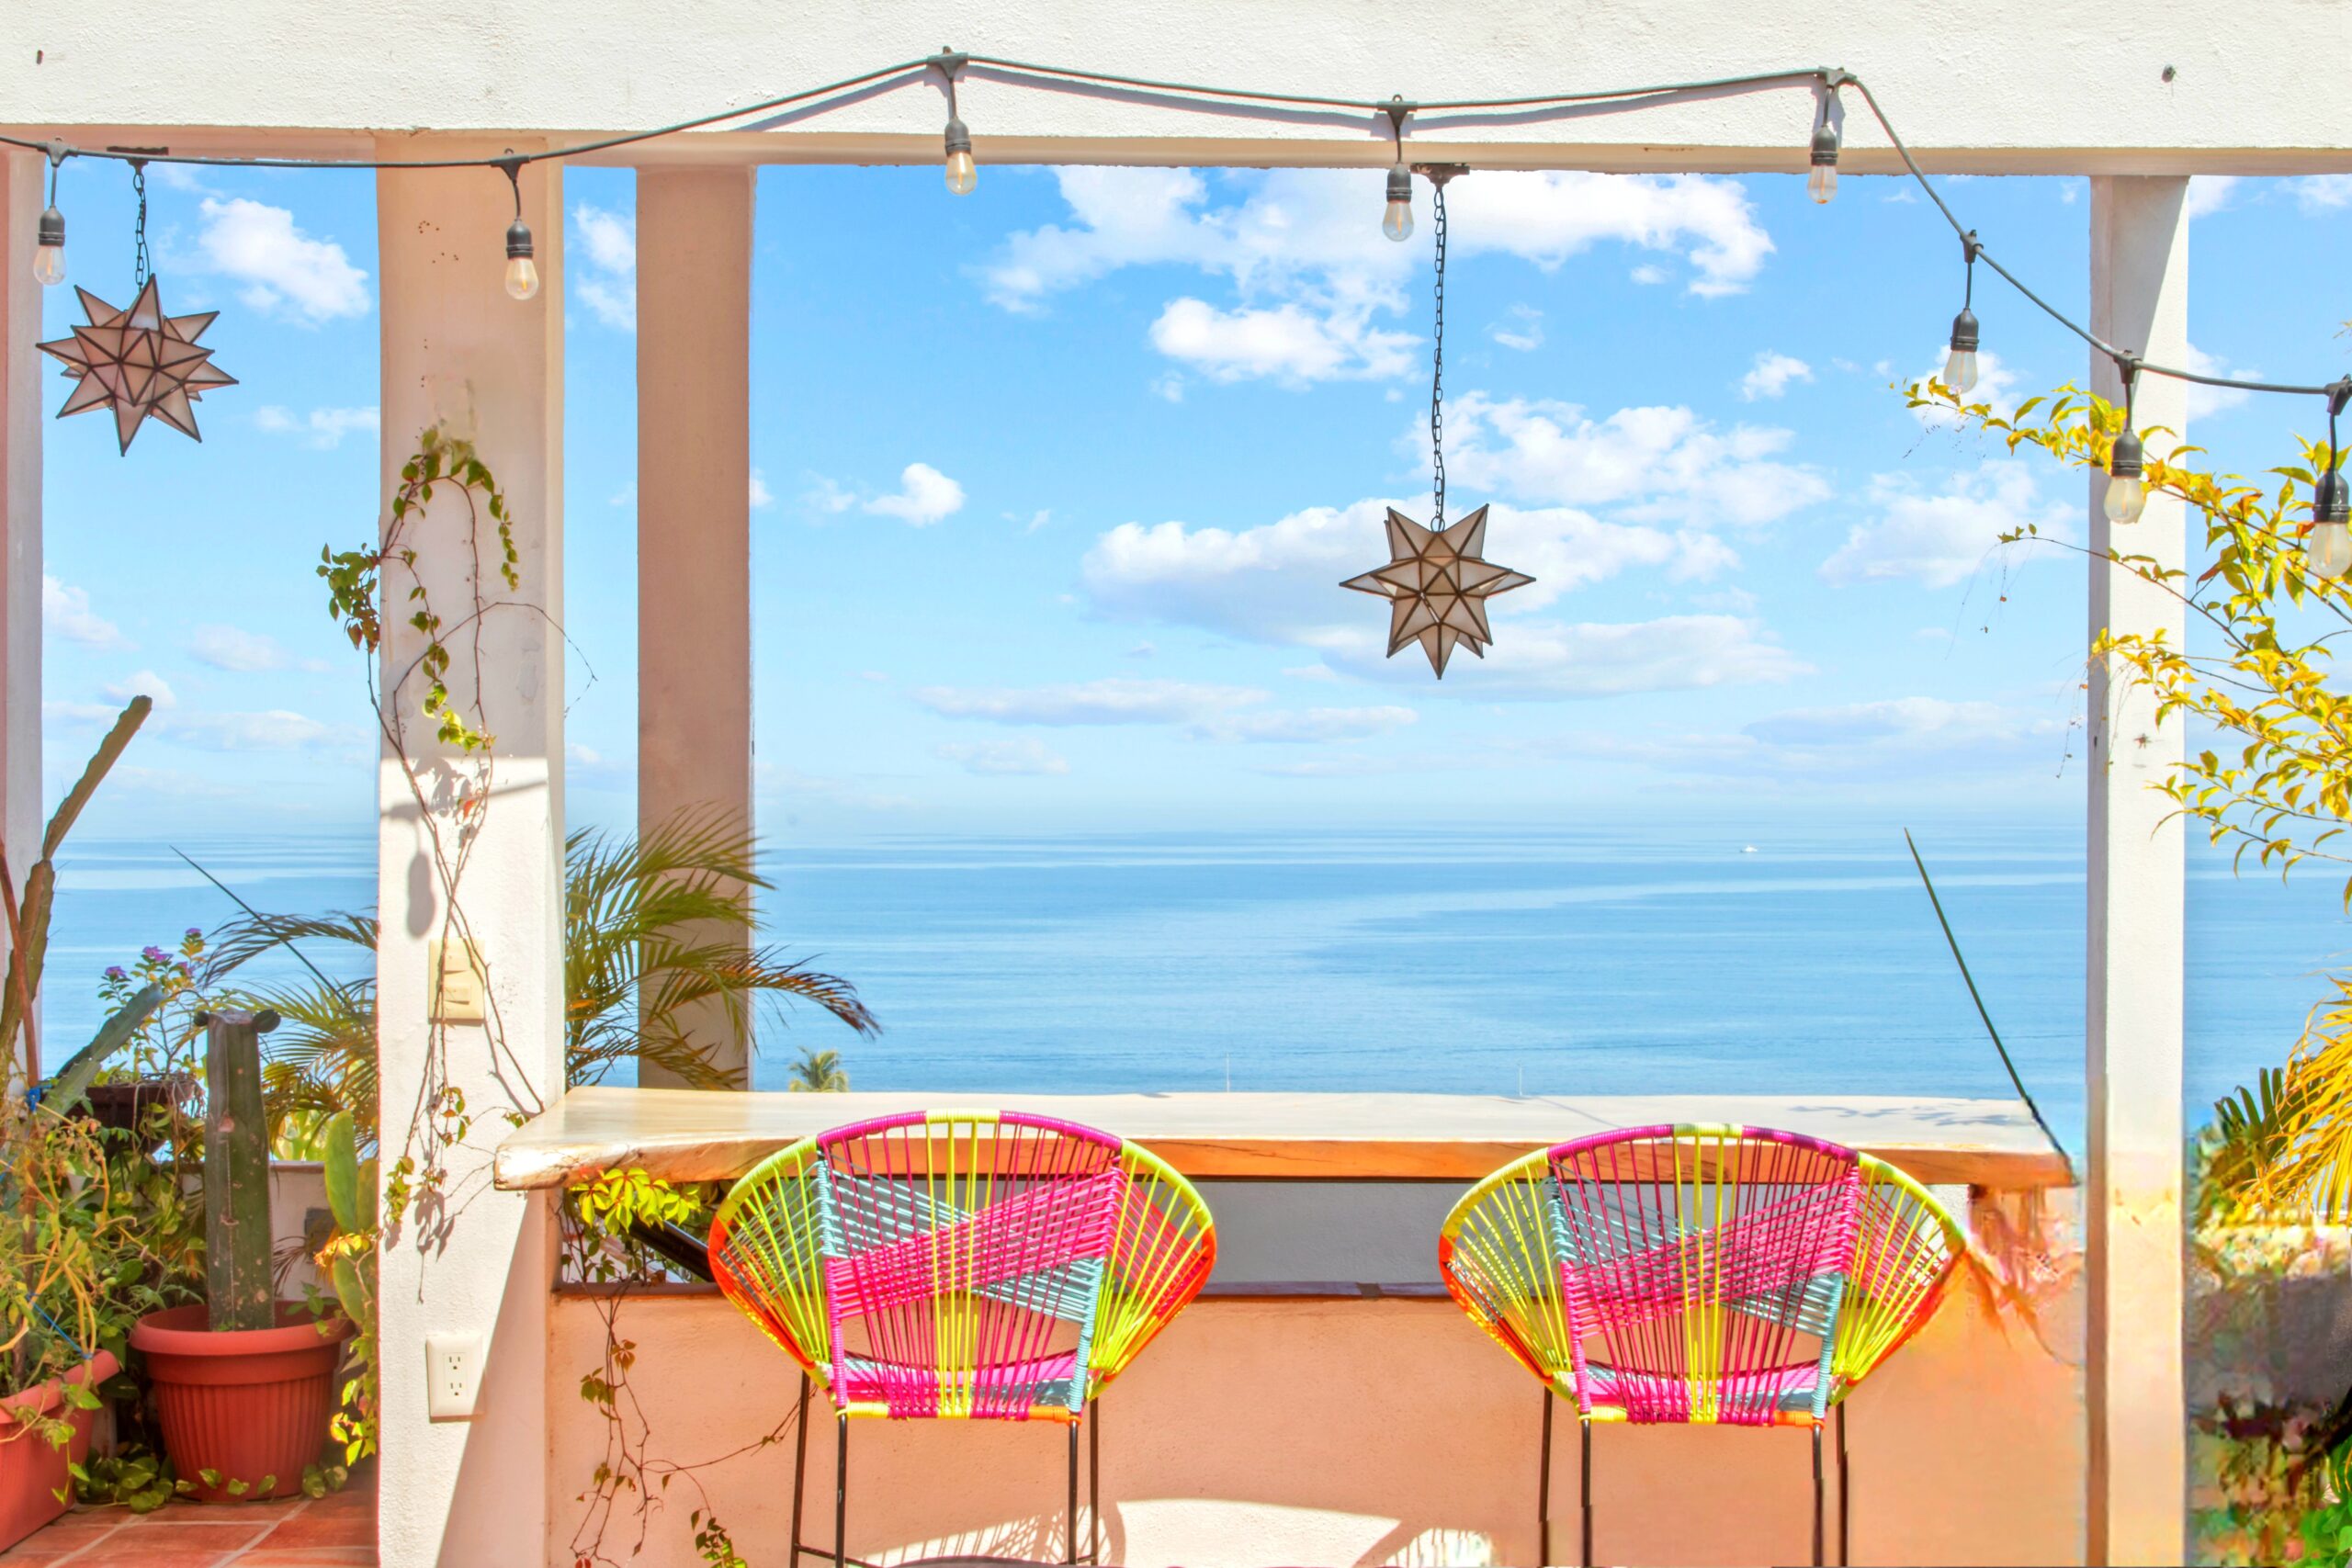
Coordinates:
(1788, 959)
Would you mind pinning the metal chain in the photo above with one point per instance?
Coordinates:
(1437, 363)
(139, 254)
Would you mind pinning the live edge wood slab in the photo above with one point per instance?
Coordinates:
(700, 1135)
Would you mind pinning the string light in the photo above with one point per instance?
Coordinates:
(1960, 368)
(1397, 222)
(522, 271)
(963, 174)
(2327, 547)
(1821, 184)
(2127, 490)
(49, 254)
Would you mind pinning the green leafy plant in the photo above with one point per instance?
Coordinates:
(817, 1072)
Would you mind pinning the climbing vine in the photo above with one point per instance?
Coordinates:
(600, 1249)
(450, 791)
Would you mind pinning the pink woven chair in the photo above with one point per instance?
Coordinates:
(1709, 1275)
(960, 1265)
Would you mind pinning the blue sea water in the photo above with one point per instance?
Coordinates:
(1606, 960)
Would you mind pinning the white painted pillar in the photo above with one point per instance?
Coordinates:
(2137, 1505)
(23, 185)
(457, 350)
(693, 517)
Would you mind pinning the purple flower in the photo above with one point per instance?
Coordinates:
(115, 972)
(195, 933)
(153, 954)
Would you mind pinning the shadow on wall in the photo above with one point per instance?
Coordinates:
(1362, 1432)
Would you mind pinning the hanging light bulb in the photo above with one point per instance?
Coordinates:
(1397, 222)
(1822, 183)
(2126, 491)
(962, 173)
(522, 271)
(49, 256)
(1959, 366)
(2327, 549)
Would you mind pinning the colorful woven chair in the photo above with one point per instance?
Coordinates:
(960, 1264)
(1699, 1274)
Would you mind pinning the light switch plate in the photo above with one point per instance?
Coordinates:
(458, 982)
(452, 1375)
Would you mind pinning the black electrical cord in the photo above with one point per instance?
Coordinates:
(1826, 80)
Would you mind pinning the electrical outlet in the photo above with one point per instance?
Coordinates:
(458, 982)
(452, 1375)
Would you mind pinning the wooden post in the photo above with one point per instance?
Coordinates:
(237, 1281)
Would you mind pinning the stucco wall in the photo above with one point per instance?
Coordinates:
(1348, 1432)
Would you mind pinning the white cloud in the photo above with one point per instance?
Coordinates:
(283, 268)
(1111, 700)
(1027, 756)
(2322, 193)
(1523, 331)
(65, 611)
(145, 683)
(2207, 194)
(1940, 537)
(235, 648)
(1652, 462)
(1546, 660)
(277, 729)
(924, 496)
(2205, 402)
(760, 495)
(1771, 374)
(1306, 725)
(1648, 275)
(1851, 740)
(1287, 343)
(604, 275)
(1313, 279)
(1278, 583)
(322, 429)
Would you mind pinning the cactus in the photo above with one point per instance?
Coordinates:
(237, 1280)
(348, 1259)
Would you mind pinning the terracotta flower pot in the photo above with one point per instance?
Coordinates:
(32, 1473)
(249, 1405)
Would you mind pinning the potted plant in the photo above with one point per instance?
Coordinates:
(75, 1258)
(243, 1382)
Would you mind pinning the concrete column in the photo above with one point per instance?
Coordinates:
(23, 182)
(694, 518)
(2137, 1505)
(458, 351)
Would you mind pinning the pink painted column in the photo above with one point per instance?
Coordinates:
(694, 518)
(22, 192)
(471, 1260)
(2137, 1505)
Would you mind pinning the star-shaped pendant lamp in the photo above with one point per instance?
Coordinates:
(1437, 586)
(140, 363)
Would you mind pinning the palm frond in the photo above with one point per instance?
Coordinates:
(242, 941)
(2307, 1147)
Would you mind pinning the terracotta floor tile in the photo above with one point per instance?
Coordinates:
(131, 1550)
(309, 1557)
(71, 1533)
(321, 1525)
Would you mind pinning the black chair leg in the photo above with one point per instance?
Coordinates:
(841, 1492)
(1070, 1519)
(1543, 1487)
(1844, 1482)
(1817, 1495)
(1584, 1428)
(799, 1468)
(1094, 1482)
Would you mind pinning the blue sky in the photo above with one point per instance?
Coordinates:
(1055, 485)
